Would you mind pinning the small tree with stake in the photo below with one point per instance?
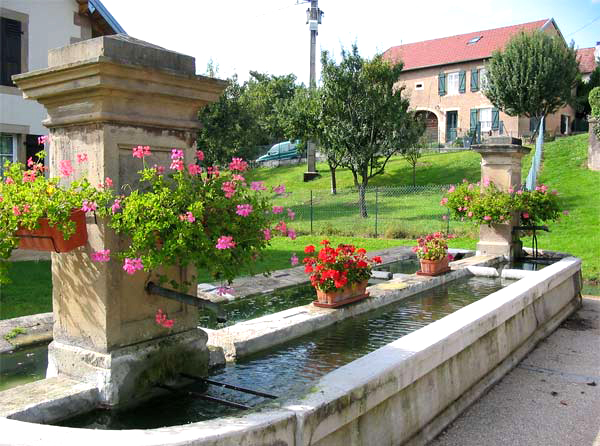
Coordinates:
(533, 76)
(364, 116)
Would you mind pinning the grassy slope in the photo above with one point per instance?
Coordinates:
(563, 169)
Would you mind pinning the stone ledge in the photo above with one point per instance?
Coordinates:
(48, 400)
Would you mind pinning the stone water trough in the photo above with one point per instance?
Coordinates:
(108, 94)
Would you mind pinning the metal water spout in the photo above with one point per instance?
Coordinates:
(153, 288)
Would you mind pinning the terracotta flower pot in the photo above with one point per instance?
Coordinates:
(49, 238)
(349, 293)
(433, 267)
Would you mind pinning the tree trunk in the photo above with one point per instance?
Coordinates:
(333, 180)
(414, 174)
(362, 202)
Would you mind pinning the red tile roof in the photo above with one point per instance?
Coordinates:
(454, 49)
(587, 61)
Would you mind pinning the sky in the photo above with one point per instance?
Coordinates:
(271, 36)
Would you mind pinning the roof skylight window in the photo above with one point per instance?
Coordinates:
(474, 40)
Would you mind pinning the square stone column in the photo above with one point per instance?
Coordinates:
(105, 96)
(501, 164)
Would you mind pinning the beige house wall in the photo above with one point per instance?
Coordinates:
(428, 99)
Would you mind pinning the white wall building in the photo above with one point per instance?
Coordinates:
(28, 29)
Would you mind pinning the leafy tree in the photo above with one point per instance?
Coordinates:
(245, 116)
(227, 126)
(301, 119)
(365, 115)
(412, 155)
(533, 76)
(581, 102)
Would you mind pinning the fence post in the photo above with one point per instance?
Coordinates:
(376, 208)
(311, 212)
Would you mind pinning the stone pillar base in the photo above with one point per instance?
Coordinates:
(128, 374)
(498, 240)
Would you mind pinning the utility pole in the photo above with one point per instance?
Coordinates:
(313, 19)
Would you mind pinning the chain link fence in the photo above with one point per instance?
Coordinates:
(390, 212)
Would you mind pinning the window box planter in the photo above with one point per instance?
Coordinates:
(49, 238)
(348, 294)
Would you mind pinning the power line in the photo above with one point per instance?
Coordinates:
(584, 26)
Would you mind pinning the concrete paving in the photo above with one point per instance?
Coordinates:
(552, 398)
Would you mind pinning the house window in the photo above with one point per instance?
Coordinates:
(419, 86)
(10, 50)
(453, 83)
(474, 40)
(483, 80)
(8, 149)
(485, 119)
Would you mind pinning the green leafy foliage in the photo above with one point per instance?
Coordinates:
(245, 117)
(177, 219)
(27, 195)
(364, 115)
(488, 204)
(532, 76)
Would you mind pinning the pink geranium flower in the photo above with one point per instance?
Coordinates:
(66, 168)
(200, 155)
(161, 319)
(238, 164)
(444, 201)
(294, 259)
(279, 189)
(43, 139)
(82, 157)
(258, 185)
(176, 154)
(101, 256)
(281, 227)
(16, 211)
(223, 290)
(194, 169)
(267, 234)
(225, 242)
(9, 180)
(159, 169)
(141, 151)
(89, 206)
(277, 209)
(244, 209)
(525, 214)
(291, 234)
(177, 164)
(188, 216)
(29, 176)
(291, 214)
(132, 265)
(229, 188)
(116, 205)
(452, 189)
(487, 218)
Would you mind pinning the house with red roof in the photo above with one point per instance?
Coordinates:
(588, 60)
(445, 79)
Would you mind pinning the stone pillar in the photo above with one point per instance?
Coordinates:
(594, 145)
(105, 96)
(501, 164)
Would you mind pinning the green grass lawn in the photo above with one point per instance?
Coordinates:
(30, 291)
(402, 217)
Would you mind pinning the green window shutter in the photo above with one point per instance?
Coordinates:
(442, 84)
(474, 80)
(462, 81)
(474, 119)
(495, 119)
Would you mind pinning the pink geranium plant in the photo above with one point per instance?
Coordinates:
(200, 216)
(27, 195)
(486, 204)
